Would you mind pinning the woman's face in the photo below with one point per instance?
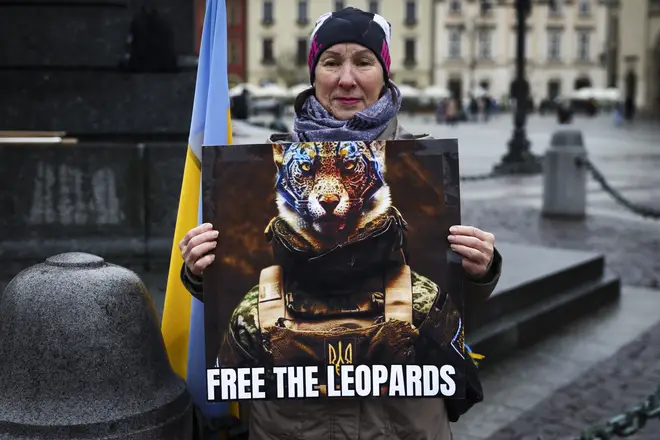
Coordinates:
(349, 78)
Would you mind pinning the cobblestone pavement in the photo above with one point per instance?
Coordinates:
(612, 387)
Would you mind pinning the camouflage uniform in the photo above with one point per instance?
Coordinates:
(345, 278)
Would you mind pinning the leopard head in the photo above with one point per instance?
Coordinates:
(328, 190)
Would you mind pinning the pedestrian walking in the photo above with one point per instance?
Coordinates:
(353, 98)
(451, 111)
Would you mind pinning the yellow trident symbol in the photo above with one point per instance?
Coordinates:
(340, 356)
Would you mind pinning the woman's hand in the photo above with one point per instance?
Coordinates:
(475, 246)
(195, 245)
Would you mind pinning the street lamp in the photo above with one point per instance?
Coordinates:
(519, 159)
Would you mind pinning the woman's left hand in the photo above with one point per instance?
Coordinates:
(475, 246)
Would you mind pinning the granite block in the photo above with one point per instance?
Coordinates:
(82, 32)
(63, 36)
(164, 165)
(119, 201)
(179, 14)
(164, 174)
(51, 192)
(97, 103)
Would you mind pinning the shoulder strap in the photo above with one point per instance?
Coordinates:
(398, 294)
(271, 297)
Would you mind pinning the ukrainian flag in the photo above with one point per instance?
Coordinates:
(183, 315)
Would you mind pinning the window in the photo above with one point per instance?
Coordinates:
(339, 5)
(454, 44)
(234, 55)
(485, 44)
(454, 6)
(267, 55)
(584, 7)
(232, 20)
(267, 12)
(301, 51)
(302, 12)
(554, 8)
(373, 6)
(554, 45)
(409, 51)
(486, 7)
(411, 12)
(583, 46)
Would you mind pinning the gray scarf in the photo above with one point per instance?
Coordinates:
(313, 123)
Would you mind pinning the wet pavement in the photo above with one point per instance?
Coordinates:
(613, 386)
(582, 375)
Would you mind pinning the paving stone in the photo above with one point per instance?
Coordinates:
(611, 387)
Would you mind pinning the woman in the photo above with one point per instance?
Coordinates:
(352, 98)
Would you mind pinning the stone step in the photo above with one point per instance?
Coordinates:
(527, 326)
(517, 384)
(540, 289)
(532, 274)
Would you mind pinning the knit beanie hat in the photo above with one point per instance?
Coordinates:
(351, 25)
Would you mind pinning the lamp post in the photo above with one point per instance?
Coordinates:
(519, 159)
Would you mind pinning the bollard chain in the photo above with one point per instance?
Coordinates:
(628, 423)
(644, 211)
(478, 177)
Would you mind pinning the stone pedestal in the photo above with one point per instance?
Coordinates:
(61, 70)
(82, 356)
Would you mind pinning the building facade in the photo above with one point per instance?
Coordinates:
(236, 37)
(639, 53)
(237, 16)
(279, 30)
(476, 46)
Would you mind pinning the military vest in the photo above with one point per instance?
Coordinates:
(314, 330)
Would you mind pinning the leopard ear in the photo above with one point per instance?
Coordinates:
(278, 154)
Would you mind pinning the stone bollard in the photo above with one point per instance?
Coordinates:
(564, 182)
(82, 356)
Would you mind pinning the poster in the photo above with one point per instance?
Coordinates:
(333, 274)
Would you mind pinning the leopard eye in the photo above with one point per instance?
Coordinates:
(306, 166)
(349, 165)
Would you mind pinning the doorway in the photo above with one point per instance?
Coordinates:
(455, 87)
(582, 82)
(554, 89)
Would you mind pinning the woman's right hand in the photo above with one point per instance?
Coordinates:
(195, 245)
